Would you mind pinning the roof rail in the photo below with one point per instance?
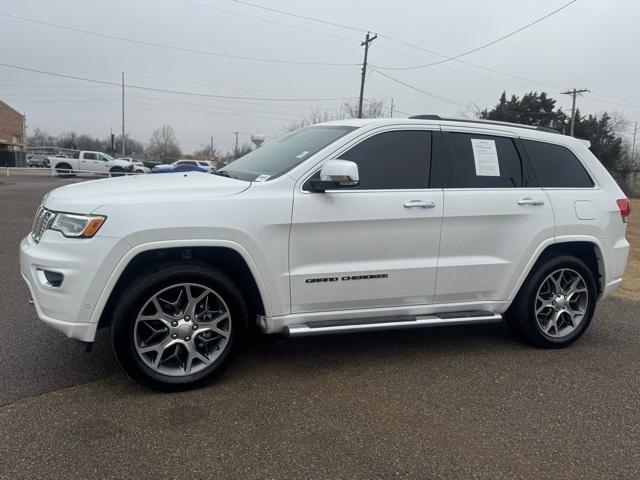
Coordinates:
(487, 122)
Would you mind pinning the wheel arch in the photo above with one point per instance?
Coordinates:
(63, 164)
(229, 257)
(587, 249)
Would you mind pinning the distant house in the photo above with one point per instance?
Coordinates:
(11, 136)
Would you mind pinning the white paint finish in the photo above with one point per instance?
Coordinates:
(585, 210)
(257, 219)
(337, 234)
(488, 243)
(487, 239)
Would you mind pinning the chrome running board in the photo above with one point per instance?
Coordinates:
(391, 323)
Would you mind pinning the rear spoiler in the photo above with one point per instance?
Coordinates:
(586, 143)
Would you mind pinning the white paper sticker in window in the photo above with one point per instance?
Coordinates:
(486, 157)
(302, 155)
(262, 178)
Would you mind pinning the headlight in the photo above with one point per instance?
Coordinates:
(71, 225)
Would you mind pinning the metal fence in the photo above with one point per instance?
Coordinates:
(50, 172)
(10, 158)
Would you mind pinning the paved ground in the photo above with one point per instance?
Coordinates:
(467, 402)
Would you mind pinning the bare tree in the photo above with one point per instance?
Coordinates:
(207, 152)
(619, 123)
(311, 118)
(40, 138)
(371, 109)
(163, 144)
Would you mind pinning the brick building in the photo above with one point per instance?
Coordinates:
(11, 136)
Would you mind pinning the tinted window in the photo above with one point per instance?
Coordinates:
(556, 166)
(393, 160)
(469, 168)
(90, 156)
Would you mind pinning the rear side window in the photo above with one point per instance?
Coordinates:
(484, 161)
(556, 166)
(90, 156)
(393, 160)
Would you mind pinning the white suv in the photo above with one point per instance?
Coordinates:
(346, 226)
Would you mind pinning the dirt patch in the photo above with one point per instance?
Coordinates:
(630, 287)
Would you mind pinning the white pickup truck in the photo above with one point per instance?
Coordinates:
(93, 162)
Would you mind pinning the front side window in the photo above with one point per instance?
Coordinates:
(556, 166)
(393, 160)
(483, 161)
(280, 156)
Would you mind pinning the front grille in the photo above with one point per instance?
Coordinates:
(41, 223)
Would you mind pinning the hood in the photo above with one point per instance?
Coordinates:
(85, 197)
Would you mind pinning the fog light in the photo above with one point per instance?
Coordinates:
(50, 279)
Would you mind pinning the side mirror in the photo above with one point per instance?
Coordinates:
(337, 174)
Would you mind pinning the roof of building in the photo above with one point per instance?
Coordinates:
(10, 107)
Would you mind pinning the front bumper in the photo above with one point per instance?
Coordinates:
(85, 265)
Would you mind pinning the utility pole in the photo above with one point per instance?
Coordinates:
(236, 150)
(365, 44)
(211, 149)
(574, 93)
(123, 142)
(391, 108)
(633, 145)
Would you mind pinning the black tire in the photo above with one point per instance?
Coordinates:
(116, 172)
(141, 289)
(521, 315)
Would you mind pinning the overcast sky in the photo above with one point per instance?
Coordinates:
(590, 44)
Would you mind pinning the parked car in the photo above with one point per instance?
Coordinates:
(138, 166)
(346, 226)
(93, 162)
(185, 166)
(37, 160)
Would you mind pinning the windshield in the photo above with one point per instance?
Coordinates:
(280, 156)
(108, 157)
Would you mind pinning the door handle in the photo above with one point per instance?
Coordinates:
(530, 201)
(419, 204)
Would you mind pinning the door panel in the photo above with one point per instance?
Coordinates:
(375, 245)
(487, 240)
(339, 238)
(492, 223)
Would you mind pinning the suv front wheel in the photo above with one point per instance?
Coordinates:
(556, 303)
(179, 327)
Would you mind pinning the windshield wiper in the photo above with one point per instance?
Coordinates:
(224, 173)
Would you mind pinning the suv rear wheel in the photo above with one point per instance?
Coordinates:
(179, 327)
(556, 303)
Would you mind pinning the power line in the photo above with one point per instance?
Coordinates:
(303, 17)
(485, 45)
(424, 92)
(180, 92)
(268, 21)
(174, 48)
(388, 37)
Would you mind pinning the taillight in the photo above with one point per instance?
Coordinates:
(624, 205)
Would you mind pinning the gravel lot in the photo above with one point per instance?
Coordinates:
(465, 402)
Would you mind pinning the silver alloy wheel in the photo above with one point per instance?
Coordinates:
(182, 329)
(561, 303)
